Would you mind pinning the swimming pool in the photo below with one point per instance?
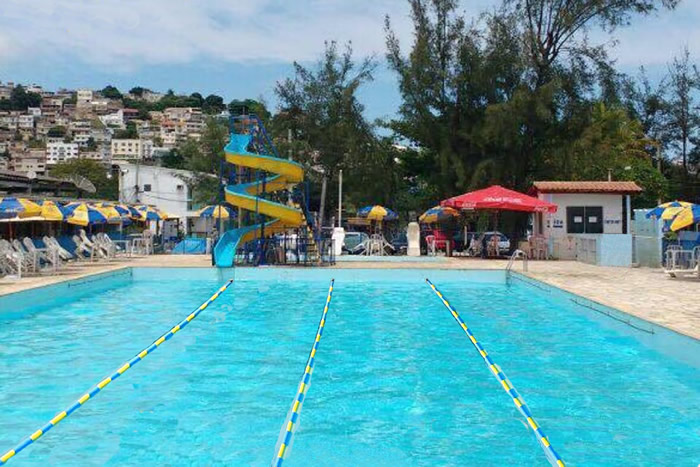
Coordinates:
(396, 380)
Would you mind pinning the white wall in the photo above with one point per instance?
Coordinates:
(168, 191)
(555, 224)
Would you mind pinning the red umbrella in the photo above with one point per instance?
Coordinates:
(499, 198)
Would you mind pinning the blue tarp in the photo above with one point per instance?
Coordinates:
(191, 246)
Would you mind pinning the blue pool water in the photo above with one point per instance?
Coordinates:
(396, 381)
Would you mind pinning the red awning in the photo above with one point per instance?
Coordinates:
(497, 197)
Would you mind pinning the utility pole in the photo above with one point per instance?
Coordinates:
(340, 198)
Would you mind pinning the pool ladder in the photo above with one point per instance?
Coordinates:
(517, 254)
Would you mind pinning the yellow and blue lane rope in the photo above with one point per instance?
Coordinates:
(292, 420)
(519, 402)
(102, 384)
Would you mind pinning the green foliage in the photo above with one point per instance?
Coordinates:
(320, 108)
(521, 95)
(111, 92)
(173, 159)
(57, 132)
(213, 104)
(130, 132)
(137, 91)
(250, 107)
(107, 188)
(20, 99)
(72, 100)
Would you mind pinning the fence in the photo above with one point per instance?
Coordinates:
(289, 250)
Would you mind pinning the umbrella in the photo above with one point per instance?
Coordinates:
(499, 198)
(52, 211)
(437, 214)
(113, 214)
(84, 214)
(668, 211)
(150, 213)
(686, 217)
(22, 207)
(377, 213)
(224, 212)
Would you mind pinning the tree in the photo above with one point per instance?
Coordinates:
(321, 108)
(57, 132)
(613, 143)
(684, 121)
(250, 107)
(107, 188)
(111, 92)
(72, 100)
(204, 158)
(130, 132)
(553, 27)
(213, 104)
(137, 91)
(173, 159)
(20, 99)
(91, 144)
(503, 99)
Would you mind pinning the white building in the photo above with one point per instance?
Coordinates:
(84, 98)
(157, 186)
(35, 111)
(31, 161)
(113, 120)
(131, 149)
(60, 152)
(592, 223)
(25, 122)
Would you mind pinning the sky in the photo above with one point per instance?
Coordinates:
(241, 48)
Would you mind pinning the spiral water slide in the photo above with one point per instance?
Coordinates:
(249, 196)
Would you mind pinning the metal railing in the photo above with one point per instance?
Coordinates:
(517, 254)
(287, 250)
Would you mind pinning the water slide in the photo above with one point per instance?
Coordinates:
(249, 196)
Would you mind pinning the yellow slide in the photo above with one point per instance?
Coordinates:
(248, 196)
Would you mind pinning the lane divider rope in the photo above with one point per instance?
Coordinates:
(102, 384)
(292, 421)
(519, 402)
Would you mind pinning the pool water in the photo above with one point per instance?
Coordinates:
(396, 380)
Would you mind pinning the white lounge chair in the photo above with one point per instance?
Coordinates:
(51, 242)
(83, 251)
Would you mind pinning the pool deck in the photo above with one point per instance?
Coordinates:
(646, 293)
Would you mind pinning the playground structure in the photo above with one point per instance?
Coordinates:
(278, 231)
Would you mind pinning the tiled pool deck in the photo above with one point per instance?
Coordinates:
(646, 293)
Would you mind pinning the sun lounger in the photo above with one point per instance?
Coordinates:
(64, 254)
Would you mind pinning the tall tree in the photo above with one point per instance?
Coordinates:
(321, 108)
(684, 121)
(554, 27)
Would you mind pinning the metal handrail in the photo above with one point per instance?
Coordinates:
(517, 254)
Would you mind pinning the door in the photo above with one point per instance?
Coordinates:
(594, 219)
(575, 219)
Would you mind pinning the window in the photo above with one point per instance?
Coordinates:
(584, 219)
(147, 187)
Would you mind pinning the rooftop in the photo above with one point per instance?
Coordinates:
(622, 188)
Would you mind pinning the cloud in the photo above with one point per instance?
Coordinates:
(123, 34)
